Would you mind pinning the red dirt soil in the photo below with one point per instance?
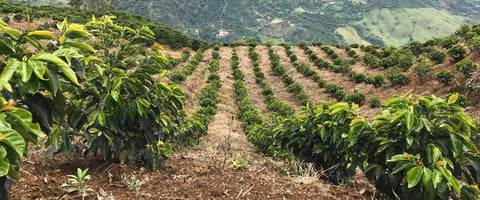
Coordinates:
(224, 165)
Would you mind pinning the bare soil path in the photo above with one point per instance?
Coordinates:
(341, 52)
(311, 88)
(223, 166)
(196, 81)
(183, 64)
(254, 91)
(280, 91)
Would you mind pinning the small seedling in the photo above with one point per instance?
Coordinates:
(77, 183)
(135, 184)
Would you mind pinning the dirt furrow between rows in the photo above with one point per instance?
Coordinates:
(254, 90)
(336, 78)
(341, 52)
(183, 64)
(359, 67)
(348, 85)
(222, 126)
(280, 91)
(225, 164)
(311, 88)
(196, 81)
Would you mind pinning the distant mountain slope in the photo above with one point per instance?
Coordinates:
(163, 33)
(386, 22)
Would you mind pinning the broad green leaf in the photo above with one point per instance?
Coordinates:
(77, 33)
(413, 176)
(401, 157)
(117, 82)
(12, 32)
(358, 120)
(68, 54)
(453, 98)
(9, 70)
(4, 163)
(410, 120)
(398, 115)
(55, 135)
(436, 154)
(41, 35)
(469, 192)
(114, 95)
(139, 108)
(39, 70)
(24, 119)
(14, 140)
(33, 42)
(52, 78)
(402, 166)
(165, 119)
(427, 124)
(6, 45)
(80, 45)
(5, 85)
(409, 141)
(11, 137)
(70, 74)
(48, 57)
(455, 185)
(26, 69)
(92, 118)
(427, 176)
(165, 86)
(101, 118)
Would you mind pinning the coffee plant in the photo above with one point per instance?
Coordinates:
(457, 52)
(437, 56)
(422, 69)
(396, 77)
(466, 66)
(421, 149)
(444, 76)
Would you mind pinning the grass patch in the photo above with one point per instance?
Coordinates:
(276, 21)
(396, 27)
(350, 35)
(300, 10)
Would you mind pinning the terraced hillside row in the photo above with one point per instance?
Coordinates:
(405, 119)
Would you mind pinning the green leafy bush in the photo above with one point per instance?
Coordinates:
(437, 56)
(332, 88)
(461, 101)
(19, 16)
(377, 80)
(357, 77)
(474, 44)
(316, 136)
(444, 76)
(457, 52)
(370, 60)
(420, 149)
(396, 77)
(374, 102)
(466, 66)
(295, 88)
(356, 97)
(340, 95)
(6, 18)
(422, 69)
(449, 41)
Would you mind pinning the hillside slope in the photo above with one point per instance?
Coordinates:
(51, 15)
(330, 21)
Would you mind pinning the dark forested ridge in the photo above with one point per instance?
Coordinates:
(163, 33)
(331, 21)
